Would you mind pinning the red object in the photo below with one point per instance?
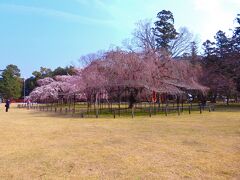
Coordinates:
(154, 96)
(17, 100)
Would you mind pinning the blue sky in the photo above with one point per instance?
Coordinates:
(54, 33)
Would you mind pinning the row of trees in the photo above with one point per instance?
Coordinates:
(220, 60)
(221, 63)
(130, 75)
(44, 72)
(13, 86)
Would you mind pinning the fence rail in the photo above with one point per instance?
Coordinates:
(83, 110)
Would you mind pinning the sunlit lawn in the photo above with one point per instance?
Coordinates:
(36, 145)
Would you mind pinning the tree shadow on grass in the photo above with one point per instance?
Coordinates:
(64, 115)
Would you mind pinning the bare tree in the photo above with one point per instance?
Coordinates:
(89, 58)
(144, 40)
(182, 44)
(143, 37)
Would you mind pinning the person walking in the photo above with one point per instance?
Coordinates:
(7, 105)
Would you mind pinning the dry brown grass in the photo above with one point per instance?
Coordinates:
(34, 145)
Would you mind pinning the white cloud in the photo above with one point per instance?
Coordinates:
(214, 16)
(54, 13)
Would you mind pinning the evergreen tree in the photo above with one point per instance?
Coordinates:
(224, 46)
(11, 83)
(164, 30)
(222, 59)
(209, 48)
(236, 38)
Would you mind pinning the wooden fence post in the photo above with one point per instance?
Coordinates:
(73, 111)
(165, 110)
(150, 112)
(119, 107)
(97, 112)
(132, 112)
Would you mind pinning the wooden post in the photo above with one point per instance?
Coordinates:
(209, 108)
(74, 102)
(200, 108)
(150, 110)
(159, 104)
(114, 114)
(88, 104)
(132, 112)
(69, 103)
(97, 112)
(119, 106)
(189, 109)
(166, 111)
(82, 115)
(90, 108)
(182, 103)
(178, 109)
(96, 106)
(155, 110)
(125, 107)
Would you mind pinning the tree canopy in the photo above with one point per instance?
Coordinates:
(222, 63)
(11, 83)
(136, 73)
(164, 29)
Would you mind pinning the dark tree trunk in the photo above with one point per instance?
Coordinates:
(132, 100)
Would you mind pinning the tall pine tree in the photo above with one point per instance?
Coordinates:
(164, 30)
(11, 83)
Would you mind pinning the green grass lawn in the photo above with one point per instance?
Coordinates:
(40, 145)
